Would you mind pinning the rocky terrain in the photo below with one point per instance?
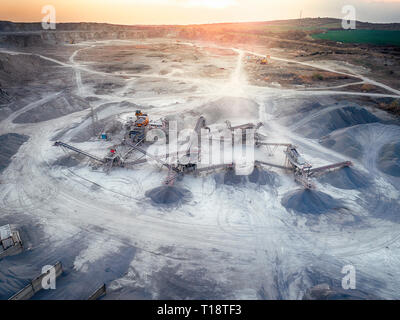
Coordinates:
(261, 236)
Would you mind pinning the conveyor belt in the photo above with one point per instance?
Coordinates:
(270, 144)
(331, 167)
(271, 164)
(172, 176)
(215, 167)
(140, 161)
(132, 149)
(86, 154)
(152, 157)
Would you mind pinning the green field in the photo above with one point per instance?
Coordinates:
(377, 37)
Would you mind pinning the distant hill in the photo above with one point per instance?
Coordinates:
(320, 23)
(8, 26)
(276, 25)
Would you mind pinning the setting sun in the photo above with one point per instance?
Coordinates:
(193, 11)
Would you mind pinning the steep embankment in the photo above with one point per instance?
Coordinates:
(32, 34)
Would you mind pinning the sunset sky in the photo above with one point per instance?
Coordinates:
(194, 11)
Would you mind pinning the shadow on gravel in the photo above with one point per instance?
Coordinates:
(258, 176)
(388, 160)
(168, 195)
(346, 178)
(311, 202)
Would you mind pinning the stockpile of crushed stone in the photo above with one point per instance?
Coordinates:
(344, 141)
(263, 177)
(167, 195)
(346, 178)
(68, 161)
(310, 202)
(59, 106)
(345, 117)
(388, 160)
(258, 176)
(230, 178)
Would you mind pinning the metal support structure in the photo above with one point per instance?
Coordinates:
(244, 126)
(260, 143)
(303, 171)
(201, 124)
(152, 157)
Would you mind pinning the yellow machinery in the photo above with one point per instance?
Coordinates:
(264, 61)
(139, 128)
(142, 120)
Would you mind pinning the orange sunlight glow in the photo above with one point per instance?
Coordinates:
(216, 4)
(194, 11)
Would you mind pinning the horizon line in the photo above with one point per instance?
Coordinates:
(195, 24)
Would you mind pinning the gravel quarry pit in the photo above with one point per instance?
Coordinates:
(220, 235)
